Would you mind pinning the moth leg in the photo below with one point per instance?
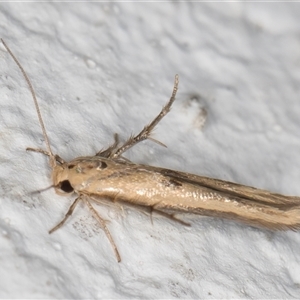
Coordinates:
(41, 190)
(68, 214)
(169, 216)
(113, 202)
(145, 133)
(57, 157)
(104, 227)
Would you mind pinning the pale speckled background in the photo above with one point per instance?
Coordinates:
(101, 68)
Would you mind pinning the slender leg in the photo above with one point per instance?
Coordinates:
(104, 227)
(57, 157)
(68, 214)
(169, 216)
(41, 190)
(145, 133)
(152, 209)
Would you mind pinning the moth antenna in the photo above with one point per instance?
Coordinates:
(52, 158)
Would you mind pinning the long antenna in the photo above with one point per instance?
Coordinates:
(52, 158)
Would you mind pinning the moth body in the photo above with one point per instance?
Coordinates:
(109, 176)
(170, 191)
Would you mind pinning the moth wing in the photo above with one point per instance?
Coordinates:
(233, 189)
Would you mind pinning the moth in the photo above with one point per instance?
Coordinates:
(108, 177)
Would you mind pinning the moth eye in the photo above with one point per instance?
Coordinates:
(71, 166)
(65, 186)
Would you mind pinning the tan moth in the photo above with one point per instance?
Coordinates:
(109, 177)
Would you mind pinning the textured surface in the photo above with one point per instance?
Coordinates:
(105, 68)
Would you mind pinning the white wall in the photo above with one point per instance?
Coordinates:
(101, 68)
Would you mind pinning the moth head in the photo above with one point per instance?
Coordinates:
(61, 182)
(77, 175)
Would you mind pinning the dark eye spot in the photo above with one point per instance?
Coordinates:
(102, 165)
(66, 187)
(95, 165)
(71, 166)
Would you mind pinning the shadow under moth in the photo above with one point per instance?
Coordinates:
(108, 177)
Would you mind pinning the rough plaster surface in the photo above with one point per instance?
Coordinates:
(101, 68)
